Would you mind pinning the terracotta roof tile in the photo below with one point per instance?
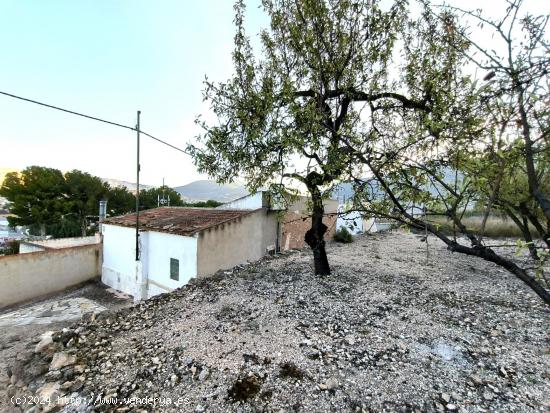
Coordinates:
(178, 220)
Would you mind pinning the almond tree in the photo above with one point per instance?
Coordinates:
(282, 117)
(493, 152)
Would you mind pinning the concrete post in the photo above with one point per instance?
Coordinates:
(141, 284)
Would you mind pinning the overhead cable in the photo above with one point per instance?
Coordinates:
(72, 112)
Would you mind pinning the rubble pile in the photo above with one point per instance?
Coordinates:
(386, 331)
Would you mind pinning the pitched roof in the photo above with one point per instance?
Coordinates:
(178, 220)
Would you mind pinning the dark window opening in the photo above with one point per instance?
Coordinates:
(174, 269)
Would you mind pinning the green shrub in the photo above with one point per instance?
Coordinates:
(11, 248)
(343, 235)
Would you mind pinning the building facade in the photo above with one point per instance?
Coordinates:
(178, 244)
(294, 220)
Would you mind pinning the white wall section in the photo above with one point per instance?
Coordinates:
(162, 247)
(152, 275)
(119, 261)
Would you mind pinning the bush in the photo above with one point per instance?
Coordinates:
(11, 248)
(343, 235)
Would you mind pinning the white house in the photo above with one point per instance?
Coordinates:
(356, 223)
(177, 244)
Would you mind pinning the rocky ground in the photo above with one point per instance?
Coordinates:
(20, 325)
(387, 331)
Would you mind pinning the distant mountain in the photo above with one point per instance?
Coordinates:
(204, 190)
(344, 191)
(131, 186)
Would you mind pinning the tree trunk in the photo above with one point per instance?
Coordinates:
(529, 239)
(83, 226)
(43, 230)
(315, 235)
(523, 225)
(489, 255)
(532, 177)
(477, 250)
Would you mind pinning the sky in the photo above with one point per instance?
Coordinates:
(110, 58)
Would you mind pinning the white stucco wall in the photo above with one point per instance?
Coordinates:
(26, 248)
(28, 276)
(119, 265)
(374, 225)
(352, 221)
(252, 201)
(162, 247)
(120, 268)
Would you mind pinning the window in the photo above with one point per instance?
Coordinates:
(174, 269)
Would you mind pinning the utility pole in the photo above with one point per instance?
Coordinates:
(137, 189)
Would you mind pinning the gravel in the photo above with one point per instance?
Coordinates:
(386, 331)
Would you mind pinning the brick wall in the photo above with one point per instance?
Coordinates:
(295, 226)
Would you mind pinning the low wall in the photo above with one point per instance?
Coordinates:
(27, 276)
(27, 248)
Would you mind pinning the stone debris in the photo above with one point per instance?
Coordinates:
(45, 343)
(61, 360)
(389, 335)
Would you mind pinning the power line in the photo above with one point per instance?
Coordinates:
(72, 112)
(67, 110)
(166, 143)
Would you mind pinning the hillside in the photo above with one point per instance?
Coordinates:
(201, 190)
(204, 190)
(378, 335)
(131, 186)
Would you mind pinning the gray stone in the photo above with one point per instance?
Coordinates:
(11, 390)
(439, 407)
(48, 391)
(24, 356)
(203, 375)
(37, 368)
(476, 380)
(45, 343)
(350, 340)
(488, 395)
(53, 375)
(332, 383)
(62, 359)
